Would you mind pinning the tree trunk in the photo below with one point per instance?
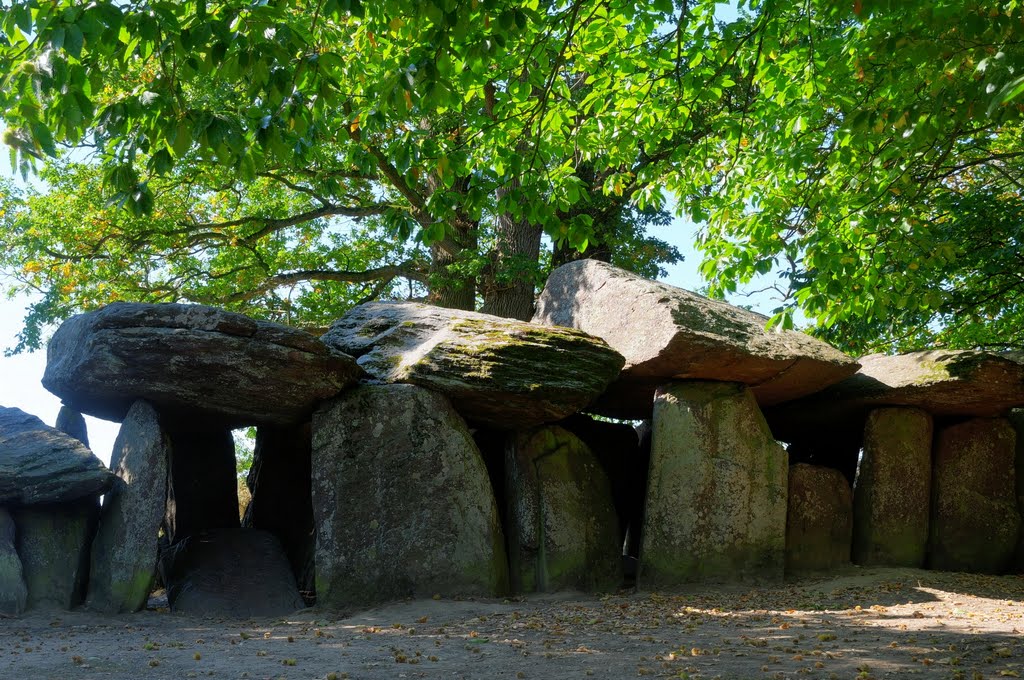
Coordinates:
(510, 289)
(447, 288)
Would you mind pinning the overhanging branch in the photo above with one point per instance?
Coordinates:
(410, 269)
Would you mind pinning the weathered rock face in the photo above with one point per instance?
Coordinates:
(563, 533)
(53, 543)
(39, 464)
(819, 519)
(195, 359)
(240, 573)
(13, 593)
(892, 497)
(402, 503)
(717, 493)
(202, 487)
(617, 448)
(124, 551)
(975, 522)
(282, 500)
(941, 382)
(500, 372)
(71, 423)
(670, 333)
(1017, 422)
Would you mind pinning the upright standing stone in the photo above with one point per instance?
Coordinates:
(53, 543)
(561, 523)
(282, 503)
(1017, 421)
(237, 573)
(125, 549)
(975, 520)
(403, 505)
(13, 593)
(819, 520)
(716, 498)
(892, 495)
(202, 486)
(72, 423)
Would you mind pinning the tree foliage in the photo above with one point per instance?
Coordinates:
(867, 153)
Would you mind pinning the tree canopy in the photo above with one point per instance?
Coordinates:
(291, 158)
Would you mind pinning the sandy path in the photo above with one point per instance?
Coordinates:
(865, 623)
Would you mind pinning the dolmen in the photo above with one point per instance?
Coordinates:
(414, 451)
(50, 485)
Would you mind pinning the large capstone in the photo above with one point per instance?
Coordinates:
(197, 360)
(40, 464)
(495, 371)
(53, 543)
(942, 382)
(563, 532)
(819, 520)
(402, 501)
(669, 333)
(975, 522)
(717, 493)
(124, 551)
(13, 592)
(892, 496)
(237, 573)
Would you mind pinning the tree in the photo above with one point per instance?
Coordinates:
(838, 143)
(885, 143)
(420, 119)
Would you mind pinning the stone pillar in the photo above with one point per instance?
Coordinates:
(72, 423)
(717, 491)
(892, 495)
(402, 503)
(617, 447)
(202, 486)
(124, 551)
(819, 520)
(282, 496)
(1017, 421)
(563, 533)
(975, 521)
(53, 543)
(13, 593)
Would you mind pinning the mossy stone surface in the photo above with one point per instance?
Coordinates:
(892, 494)
(497, 372)
(958, 383)
(124, 551)
(819, 519)
(717, 491)
(562, 528)
(402, 503)
(53, 544)
(975, 521)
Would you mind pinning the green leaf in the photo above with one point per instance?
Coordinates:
(73, 41)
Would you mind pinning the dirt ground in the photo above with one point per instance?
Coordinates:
(863, 623)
